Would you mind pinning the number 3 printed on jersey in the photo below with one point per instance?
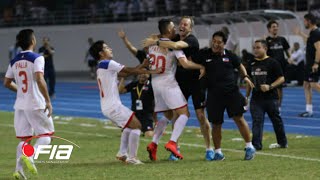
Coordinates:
(24, 81)
(158, 62)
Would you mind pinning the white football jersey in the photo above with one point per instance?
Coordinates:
(107, 74)
(166, 60)
(22, 68)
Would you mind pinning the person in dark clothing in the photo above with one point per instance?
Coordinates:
(47, 52)
(92, 63)
(266, 74)
(311, 76)
(223, 92)
(247, 58)
(277, 46)
(295, 70)
(142, 101)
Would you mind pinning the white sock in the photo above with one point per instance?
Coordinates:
(218, 151)
(209, 149)
(309, 108)
(124, 141)
(134, 142)
(19, 154)
(249, 145)
(178, 127)
(41, 141)
(159, 129)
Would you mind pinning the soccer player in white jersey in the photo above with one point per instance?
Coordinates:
(167, 93)
(111, 106)
(33, 107)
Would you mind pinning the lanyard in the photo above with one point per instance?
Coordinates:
(139, 92)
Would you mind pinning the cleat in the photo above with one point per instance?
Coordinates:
(218, 157)
(122, 157)
(172, 147)
(209, 155)
(29, 164)
(172, 157)
(306, 114)
(250, 152)
(152, 149)
(276, 145)
(133, 161)
(19, 175)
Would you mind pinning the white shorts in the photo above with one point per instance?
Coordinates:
(32, 122)
(120, 115)
(168, 98)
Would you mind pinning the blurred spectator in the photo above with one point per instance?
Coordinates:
(134, 9)
(13, 51)
(295, 69)
(151, 5)
(247, 58)
(169, 6)
(184, 8)
(93, 13)
(120, 10)
(231, 43)
(92, 63)
(47, 52)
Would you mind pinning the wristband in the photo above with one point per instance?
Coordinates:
(246, 76)
(271, 87)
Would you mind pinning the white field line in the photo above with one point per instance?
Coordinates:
(190, 145)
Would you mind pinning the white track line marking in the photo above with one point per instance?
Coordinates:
(187, 144)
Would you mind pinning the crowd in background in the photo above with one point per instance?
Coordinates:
(30, 12)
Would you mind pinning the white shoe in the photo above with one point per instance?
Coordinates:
(29, 164)
(276, 145)
(19, 175)
(122, 157)
(133, 161)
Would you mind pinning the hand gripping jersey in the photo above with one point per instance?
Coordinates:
(23, 68)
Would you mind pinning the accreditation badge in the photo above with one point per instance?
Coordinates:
(139, 105)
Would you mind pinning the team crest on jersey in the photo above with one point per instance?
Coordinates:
(225, 59)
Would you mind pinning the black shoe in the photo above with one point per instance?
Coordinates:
(306, 114)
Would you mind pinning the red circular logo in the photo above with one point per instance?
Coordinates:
(28, 150)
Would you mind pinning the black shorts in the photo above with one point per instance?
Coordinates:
(196, 90)
(310, 76)
(146, 120)
(234, 102)
(92, 63)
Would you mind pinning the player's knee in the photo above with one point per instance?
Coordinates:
(44, 140)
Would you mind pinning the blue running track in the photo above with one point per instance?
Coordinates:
(82, 100)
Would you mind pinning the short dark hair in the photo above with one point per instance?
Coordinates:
(163, 25)
(221, 34)
(191, 20)
(24, 38)
(262, 41)
(272, 22)
(312, 18)
(95, 49)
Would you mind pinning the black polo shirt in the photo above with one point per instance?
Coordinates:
(314, 37)
(141, 55)
(185, 75)
(264, 72)
(147, 97)
(276, 48)
(219, 70)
